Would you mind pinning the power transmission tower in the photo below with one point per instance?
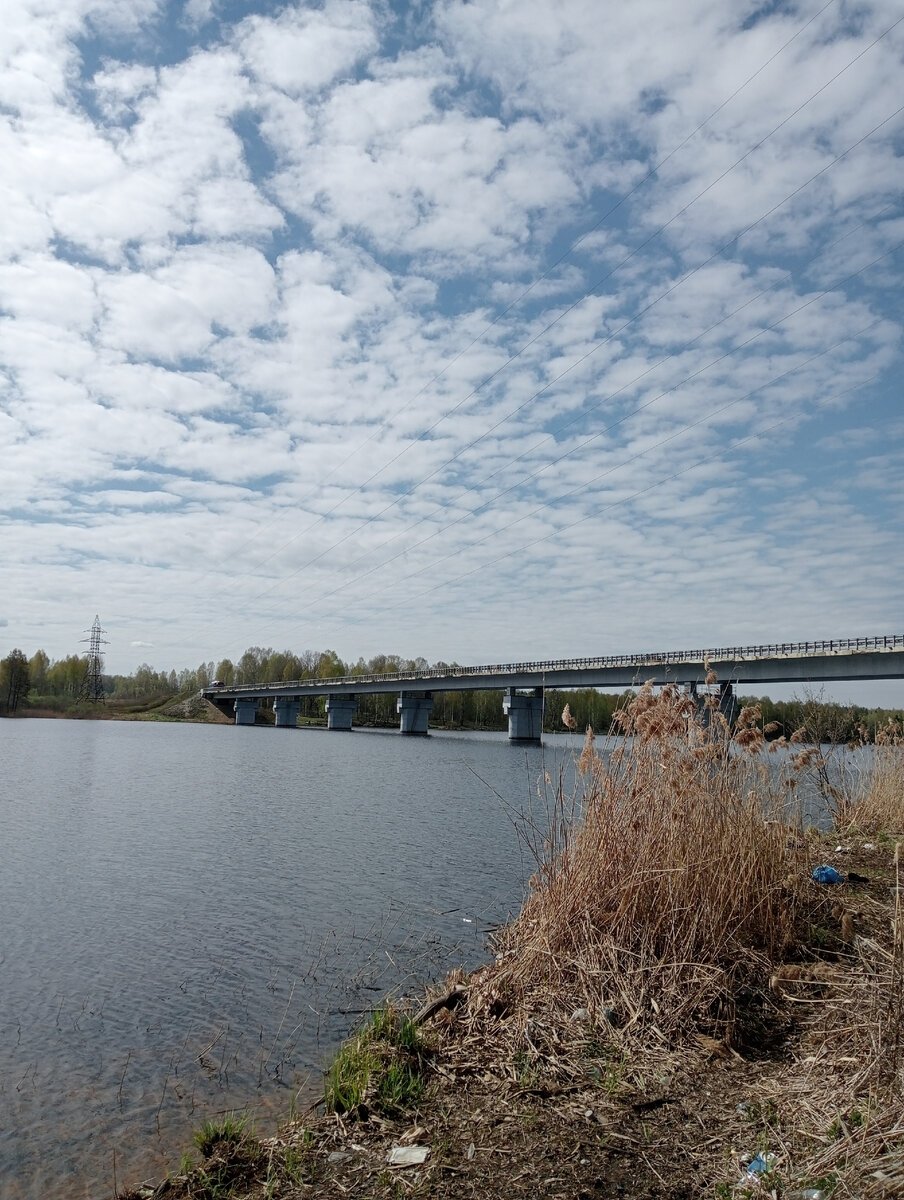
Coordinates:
(93, 682)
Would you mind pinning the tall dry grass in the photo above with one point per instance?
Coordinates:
(673, 905)
(678, 888)
(878, 804)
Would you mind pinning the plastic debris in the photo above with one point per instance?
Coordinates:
(408, 1156)
(471, 1151)
(580, 1014)
(758, 1166)
(809, 1194)
(827, 875)
(338, 1156)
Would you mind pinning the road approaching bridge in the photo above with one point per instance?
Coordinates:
(524, 683)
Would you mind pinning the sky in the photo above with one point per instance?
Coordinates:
(482, 331)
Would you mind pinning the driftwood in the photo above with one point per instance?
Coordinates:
(456, 995)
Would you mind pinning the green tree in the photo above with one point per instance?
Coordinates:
(330, 665)
(64, 677)
(250, 667)
(225, 672)
(14, 679)
(188, 680)
(38, 666)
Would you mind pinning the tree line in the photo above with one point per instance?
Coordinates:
(40, 682)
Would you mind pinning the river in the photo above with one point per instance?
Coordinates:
(193, 917)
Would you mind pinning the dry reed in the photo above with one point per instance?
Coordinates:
(878, 805)
(669, 895)
(848, 1074)
(677, 891)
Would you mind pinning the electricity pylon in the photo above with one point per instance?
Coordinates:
(93, 682)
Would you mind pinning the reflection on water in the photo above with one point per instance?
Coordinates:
(193, 916)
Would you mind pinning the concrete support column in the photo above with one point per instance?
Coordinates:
(339, 711)
(727, 706)
(414, 709)
(525, 714)
(245, 710)
(286, 710)
(728, 703)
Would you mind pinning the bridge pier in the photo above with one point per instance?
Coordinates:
(727, 706)
(525, 714)
(414, 709)
(286, 710)
(245, 710)
(339, 712)
(728, 703)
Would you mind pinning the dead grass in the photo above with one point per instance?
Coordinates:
(675, 891)
(878, 804)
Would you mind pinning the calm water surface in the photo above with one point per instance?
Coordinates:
(192, 916)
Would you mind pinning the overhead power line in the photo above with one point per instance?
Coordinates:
(515, 551)
(584, 486)
(471, 513)
(462, 450)
(598, 345)
(651, 174)
(394, 502)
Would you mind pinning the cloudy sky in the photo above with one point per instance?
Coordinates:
(507, 329)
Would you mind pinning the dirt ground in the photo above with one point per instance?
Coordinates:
(515, 1111)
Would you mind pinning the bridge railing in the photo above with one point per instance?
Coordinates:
(664, 658)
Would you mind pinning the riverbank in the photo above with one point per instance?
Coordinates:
(194, 708)
(520, 1103)
(677, 997)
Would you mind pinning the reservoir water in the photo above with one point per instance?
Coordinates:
(193, 916)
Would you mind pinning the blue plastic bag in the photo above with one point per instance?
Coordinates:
(827, 875)
(759, 1166)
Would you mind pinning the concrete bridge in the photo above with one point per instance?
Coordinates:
(524, 684)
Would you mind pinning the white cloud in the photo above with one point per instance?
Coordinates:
(303, 49)
(197, 13)
(287, 304)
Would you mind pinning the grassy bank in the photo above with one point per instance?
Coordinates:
(184, 707)
(678, 999)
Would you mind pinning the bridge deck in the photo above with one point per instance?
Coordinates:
(787, 662)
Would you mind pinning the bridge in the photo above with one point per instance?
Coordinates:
(525, 684)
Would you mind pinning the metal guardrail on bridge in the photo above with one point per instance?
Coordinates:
(726, 653)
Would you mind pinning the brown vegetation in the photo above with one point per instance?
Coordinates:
(671, 891)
